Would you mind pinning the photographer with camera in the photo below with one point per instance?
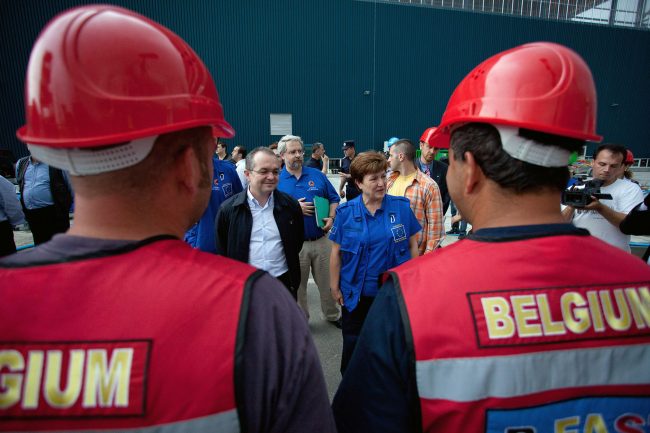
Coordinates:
(602, 218)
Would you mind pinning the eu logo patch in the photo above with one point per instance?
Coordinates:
(399, 233)
(227, 189)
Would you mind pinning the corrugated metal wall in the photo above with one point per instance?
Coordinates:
(349, 69)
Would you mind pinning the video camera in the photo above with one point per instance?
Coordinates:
(580, 194)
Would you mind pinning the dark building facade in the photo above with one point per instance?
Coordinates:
(347, 69)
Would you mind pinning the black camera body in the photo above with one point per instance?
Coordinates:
(580, 194)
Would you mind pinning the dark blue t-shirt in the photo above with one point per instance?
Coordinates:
(315, 163)
(351, 190)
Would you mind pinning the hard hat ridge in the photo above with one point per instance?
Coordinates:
(541, 86)
(100, 75)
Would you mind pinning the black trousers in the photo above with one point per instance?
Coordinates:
(7, 244)
(45, 222)
(286, 280)
(351, 324)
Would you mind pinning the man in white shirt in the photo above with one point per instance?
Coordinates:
(239, 159)
(602, 218)
(261, 225)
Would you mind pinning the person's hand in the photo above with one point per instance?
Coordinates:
(337, 295)
(325, 158)
(306, 206)
(594, 205)
(342, 193)
(343, 175)
(456, 218)
(329, 222)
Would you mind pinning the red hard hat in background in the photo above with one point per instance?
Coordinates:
(100, 75)
(433, 137)
(629, 158)
(540, 86)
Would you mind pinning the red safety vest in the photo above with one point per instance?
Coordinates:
(536, 335)
(141, 338)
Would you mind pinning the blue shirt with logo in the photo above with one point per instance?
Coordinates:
(225, 183)
(310, 184)
(371, 244)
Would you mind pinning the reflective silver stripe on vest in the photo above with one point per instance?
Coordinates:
(470, 379)
(226, 422)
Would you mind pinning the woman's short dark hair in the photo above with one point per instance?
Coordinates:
(369, 162)
(484, 142)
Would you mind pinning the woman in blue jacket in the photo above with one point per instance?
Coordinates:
(372, 233)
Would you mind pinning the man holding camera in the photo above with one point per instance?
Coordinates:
(602, 218)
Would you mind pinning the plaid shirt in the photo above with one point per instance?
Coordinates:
(426, 204)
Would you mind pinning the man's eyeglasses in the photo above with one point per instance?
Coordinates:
(296, 152)
(265, 173)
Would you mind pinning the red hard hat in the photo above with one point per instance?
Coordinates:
(540, 86)
(101, 75)
(433, 138)
(629, 158)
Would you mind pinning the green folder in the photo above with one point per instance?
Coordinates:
(322, 210)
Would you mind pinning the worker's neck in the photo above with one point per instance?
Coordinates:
(111, 219)
(504, 210)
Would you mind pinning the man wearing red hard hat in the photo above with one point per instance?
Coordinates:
(546, 330)
(429, 165)
(627, 167)
(118, 324)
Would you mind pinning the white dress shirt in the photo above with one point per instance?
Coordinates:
(265, 250)
(240, 167)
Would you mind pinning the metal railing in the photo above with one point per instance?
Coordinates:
(625, 13)
(638, 162)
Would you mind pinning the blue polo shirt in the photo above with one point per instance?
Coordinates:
(225, 183)
(310, 184)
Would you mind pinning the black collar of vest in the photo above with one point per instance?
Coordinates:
(128, 247)
(515, 233)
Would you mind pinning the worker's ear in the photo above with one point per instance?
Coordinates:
(193, 167)
(186, 169)
(472, 173)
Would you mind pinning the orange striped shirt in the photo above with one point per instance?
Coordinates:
(426, 204)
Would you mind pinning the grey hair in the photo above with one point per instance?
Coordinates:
(251, 156)
(282, 144)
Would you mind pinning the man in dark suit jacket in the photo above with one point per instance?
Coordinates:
(261, 225)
